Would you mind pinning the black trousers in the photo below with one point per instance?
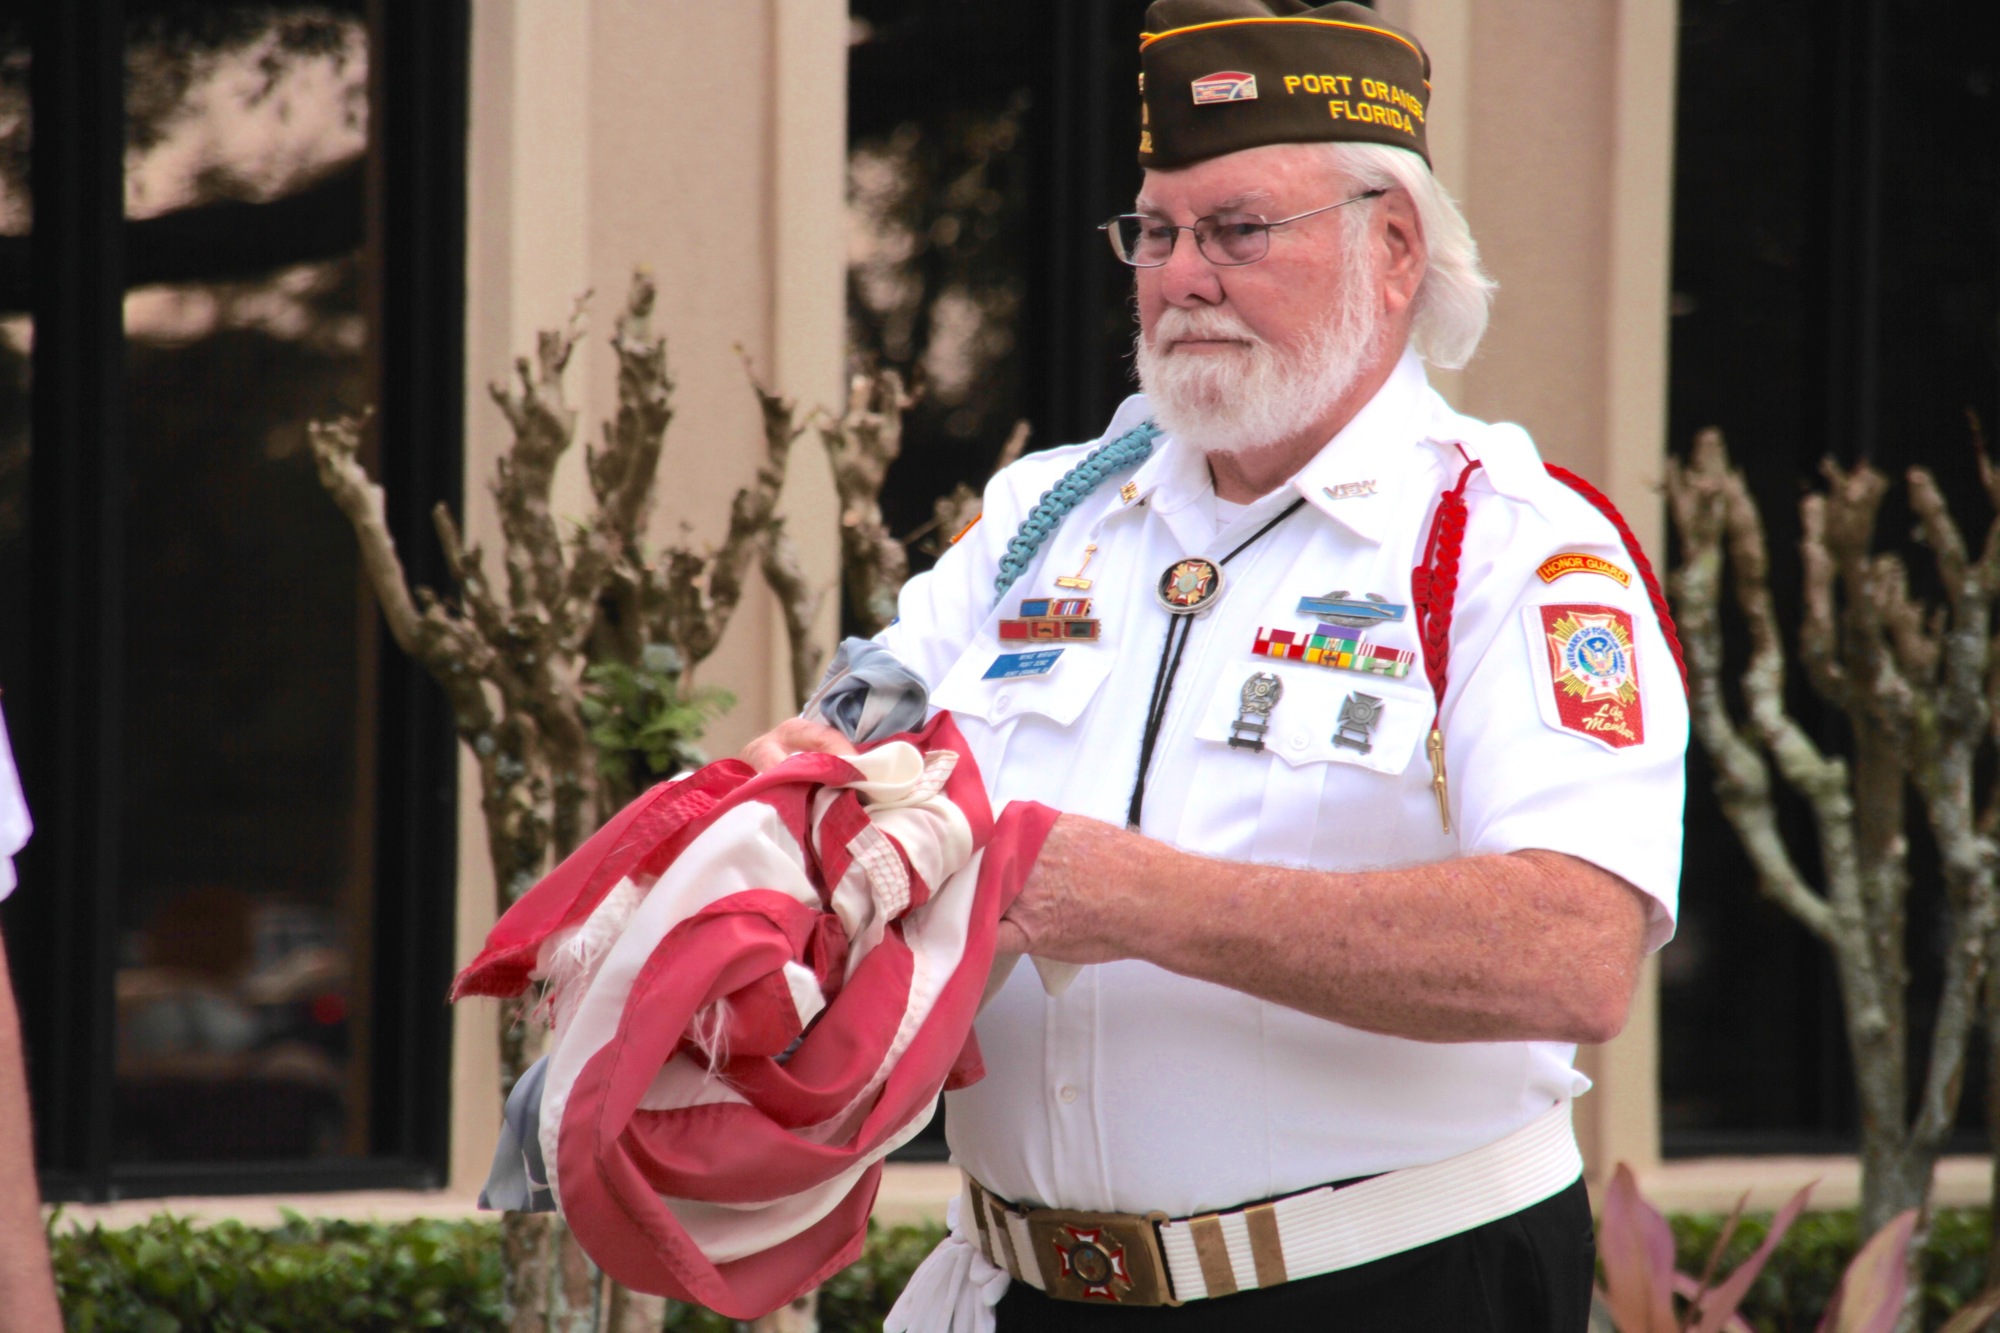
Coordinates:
(1528, 1273)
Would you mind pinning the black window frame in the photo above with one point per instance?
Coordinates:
(60, 923)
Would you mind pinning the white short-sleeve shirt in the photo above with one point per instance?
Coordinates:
(1137, 1089)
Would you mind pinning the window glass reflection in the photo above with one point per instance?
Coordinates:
(246, 898)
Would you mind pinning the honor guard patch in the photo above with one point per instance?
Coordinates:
(1228, 85)
(1587, 672)
(1576, 562)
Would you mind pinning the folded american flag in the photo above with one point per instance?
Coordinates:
(758, 985)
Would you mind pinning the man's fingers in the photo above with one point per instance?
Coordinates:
(796, 735)
(1009, 938)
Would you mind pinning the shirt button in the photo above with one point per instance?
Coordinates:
(1003, 700)
(1066, 1094)
(1299, 740)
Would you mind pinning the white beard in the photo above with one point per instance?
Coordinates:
(1242, 401)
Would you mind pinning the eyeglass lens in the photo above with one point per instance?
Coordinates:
(1224, 238)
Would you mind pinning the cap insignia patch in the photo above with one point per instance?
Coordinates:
(1228, 85)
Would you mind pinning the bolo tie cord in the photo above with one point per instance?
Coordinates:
(1175, 644)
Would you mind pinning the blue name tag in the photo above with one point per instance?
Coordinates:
(1009, 665)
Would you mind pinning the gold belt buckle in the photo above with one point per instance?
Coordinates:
(1111, 1257)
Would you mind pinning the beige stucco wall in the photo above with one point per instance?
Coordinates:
(707, 142)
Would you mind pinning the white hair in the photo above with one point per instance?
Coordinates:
(1449, 315)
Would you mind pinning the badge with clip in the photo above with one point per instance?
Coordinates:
(1253, 721)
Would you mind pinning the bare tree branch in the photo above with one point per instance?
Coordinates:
(861, 445)
(800, 602)
(1917, 685)
(1712, 512)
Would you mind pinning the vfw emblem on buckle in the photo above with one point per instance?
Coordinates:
(1093, 1261)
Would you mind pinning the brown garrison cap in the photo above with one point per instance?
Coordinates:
(1220, 75)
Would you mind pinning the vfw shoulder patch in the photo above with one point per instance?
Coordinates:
(1586, 669)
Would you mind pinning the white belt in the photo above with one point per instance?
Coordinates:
(1119, 1256)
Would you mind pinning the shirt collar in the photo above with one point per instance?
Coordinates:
(1352, 480)
(1356, 479)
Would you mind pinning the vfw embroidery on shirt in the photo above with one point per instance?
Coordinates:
(1587, 672)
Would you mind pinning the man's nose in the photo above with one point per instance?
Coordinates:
(1187, 278)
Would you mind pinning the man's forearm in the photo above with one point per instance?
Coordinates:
(1533, 945)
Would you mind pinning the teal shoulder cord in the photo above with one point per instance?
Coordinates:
(1128, 450)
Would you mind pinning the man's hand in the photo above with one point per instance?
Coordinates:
(1064, 912)
(796, 735)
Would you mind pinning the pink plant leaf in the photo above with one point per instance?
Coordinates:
(1869, 1298)
(1972, 1316)
(1688, 1287)
(1718, 1305)
(1638, 1253)
(1715, 1253)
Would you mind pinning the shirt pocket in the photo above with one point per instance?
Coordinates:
(1306, 724)
(1061, 695)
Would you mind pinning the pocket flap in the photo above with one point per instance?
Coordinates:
(1385, 718)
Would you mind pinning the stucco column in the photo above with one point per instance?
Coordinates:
(707, 142)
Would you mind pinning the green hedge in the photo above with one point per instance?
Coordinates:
(171, 1276)
(1792, 1291)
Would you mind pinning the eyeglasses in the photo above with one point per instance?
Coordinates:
(1222, 238)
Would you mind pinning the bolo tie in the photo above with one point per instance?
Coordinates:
(1187, 588)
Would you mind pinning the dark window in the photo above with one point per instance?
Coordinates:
(985, 144)
(234, 924)
(1837, 236)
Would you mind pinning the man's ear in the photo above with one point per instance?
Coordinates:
(1401, 235)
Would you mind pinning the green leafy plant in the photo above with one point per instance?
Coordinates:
(174, 1276)
(642, 724)
(171, 1276)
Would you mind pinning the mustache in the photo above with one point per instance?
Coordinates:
(1176, 324)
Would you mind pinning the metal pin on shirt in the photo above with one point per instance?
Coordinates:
(1077, 580)
(1435, 747)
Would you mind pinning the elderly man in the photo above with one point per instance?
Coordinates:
(1368, 742)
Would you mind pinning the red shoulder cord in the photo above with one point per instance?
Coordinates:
(1434, 588)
